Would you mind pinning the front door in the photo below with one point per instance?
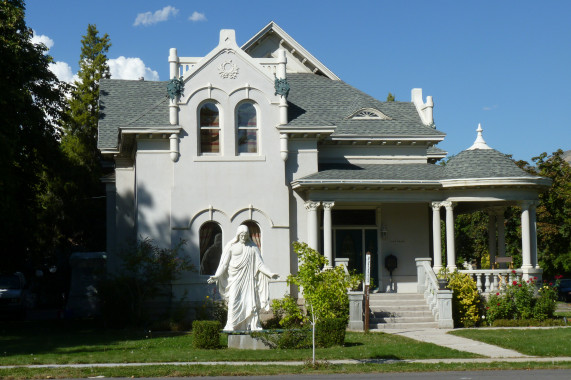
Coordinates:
(354, 243)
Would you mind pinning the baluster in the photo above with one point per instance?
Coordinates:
(479, 282)
(495, 283)
(487, 284)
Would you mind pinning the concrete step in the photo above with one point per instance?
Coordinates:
(378, 303)
(402, 319)
(396, 296)
(407, 313)
(397, 308)
(417, 325)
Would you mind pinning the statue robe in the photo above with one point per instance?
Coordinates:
(243, 283)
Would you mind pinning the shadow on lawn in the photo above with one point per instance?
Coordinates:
(37, 337)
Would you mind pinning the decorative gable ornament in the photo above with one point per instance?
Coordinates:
(228, 70)
(282, 87)
(369, 114)
(175, 88)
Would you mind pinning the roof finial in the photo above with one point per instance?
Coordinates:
(479, 143)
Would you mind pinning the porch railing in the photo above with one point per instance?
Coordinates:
(439, 300)
(493, 280)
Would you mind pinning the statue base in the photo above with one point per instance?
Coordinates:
(244, 341)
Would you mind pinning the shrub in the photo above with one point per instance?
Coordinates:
(212, 310)
(517, 301)
(206, 334)
(324, 290)
(465, 299)
(288, 312)
(330, 332)
(144, 271)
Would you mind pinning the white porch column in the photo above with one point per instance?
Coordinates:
(525, 235)
(501, 234)
(450, 247)
(327, 236)
(533, 232)
(492, 237)
(312, 227)
(436, 236)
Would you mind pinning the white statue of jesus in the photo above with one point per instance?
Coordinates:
(243, 281)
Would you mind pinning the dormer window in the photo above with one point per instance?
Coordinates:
(369, 114)
(209, 128)
(247, 128)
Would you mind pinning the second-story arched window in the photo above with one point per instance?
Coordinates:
(247, 129)
(209, 121)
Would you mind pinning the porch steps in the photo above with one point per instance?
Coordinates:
(399, 311)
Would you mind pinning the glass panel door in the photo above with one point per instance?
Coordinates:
(349, 244)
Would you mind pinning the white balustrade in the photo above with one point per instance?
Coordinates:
(493, 279)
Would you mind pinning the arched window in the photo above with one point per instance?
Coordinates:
(254, 231)
(210, 247)
(209, 121)
(247, 132)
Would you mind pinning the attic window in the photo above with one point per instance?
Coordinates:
(369, 114)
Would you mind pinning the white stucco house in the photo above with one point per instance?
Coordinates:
(325, 163)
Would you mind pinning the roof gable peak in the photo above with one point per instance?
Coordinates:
(298, 58)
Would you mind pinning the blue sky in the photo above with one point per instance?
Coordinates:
(505, 64)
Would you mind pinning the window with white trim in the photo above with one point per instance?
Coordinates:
(246, 128)
(209, 121)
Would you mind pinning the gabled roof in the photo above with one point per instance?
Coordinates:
(130, 104)
(309, 60)
(315, 100)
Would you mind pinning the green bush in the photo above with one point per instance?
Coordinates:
(527, 322)
(288, 312)
(330, 332)
(325, 291)
(206, 334)
(517, 301)
(465, 299)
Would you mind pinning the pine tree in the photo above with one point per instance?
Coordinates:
(85, 194)
(31, 106)
(390, 97)
(80, 139)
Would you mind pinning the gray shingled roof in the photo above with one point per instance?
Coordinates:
(395, 172)
(482, 163)
(128, 103)
(315, 100)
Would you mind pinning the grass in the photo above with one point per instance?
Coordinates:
(245, 370)
(536, 342)
(62, 342)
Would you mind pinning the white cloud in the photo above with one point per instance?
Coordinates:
(196, 16)
(63, 71)
(42, 39)
(489, 108)
(131, 68)
(149, 18)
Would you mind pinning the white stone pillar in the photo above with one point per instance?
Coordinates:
(327, 233)
(174, 74)
(492, 238)
(312, 227)
(436, 236)
(525, 235)
(450, 246)
(533, 232)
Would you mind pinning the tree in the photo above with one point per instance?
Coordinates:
(554, 215)
(85, 192)
(31, 106)
(390, 97)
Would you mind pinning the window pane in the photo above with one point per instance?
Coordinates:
(247, 116)
(255, 233)
(209, 141)
(210, 247)
(247, 141)
(209, 115)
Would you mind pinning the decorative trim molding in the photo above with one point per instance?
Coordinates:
(251, 210)
(228, 70)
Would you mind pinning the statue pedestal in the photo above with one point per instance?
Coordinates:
(244, 341)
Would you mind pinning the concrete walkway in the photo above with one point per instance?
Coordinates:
(441, 338)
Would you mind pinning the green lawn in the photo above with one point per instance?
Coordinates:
(65, 342)
(536, 342)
